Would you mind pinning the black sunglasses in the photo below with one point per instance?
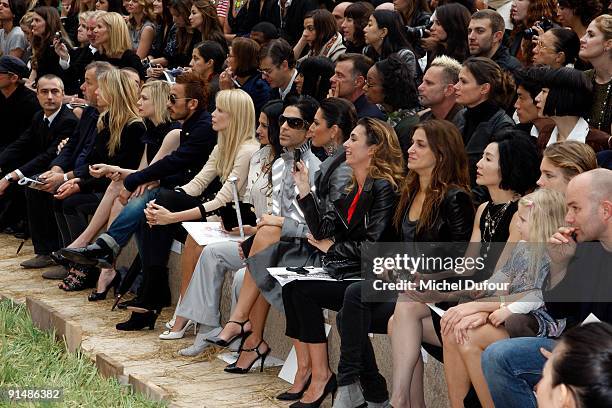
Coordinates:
(172, 98)
(294, 123)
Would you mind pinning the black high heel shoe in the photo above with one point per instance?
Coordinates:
(294, 396)
(139, 321)
(95, 296)
(225, 343)
(330, 387)
(234, 369)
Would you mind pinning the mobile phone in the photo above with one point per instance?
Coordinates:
(297, 156)
(58, 36)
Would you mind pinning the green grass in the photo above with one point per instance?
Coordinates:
(32, 358)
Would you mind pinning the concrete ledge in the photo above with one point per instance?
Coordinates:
(108, 367)
(147, 388)
(46, 317)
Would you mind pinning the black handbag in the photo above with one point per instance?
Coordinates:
(230, 218)
(341, 269)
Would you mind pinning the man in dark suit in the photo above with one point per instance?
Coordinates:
(34, 150)
(70, 163)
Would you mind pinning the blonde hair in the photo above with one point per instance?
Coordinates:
(604, 24)
(85, 16)
(241, 128)
(118, 35)
(546, 214)
(571, 157)
(120, 93)
(148, 14)
(158, 92)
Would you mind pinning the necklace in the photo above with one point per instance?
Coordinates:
(491, 224)
(330, 149)
(603, 112)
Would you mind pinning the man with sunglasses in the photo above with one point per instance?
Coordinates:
(186, 104)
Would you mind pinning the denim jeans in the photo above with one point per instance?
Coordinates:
(128, 221)
(512, 368)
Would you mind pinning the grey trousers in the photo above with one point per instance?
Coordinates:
(203, 295)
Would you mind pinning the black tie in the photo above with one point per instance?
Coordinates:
(46, 122)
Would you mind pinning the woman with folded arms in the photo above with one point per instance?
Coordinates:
(234, 120)
(203, 269)
(435, 206)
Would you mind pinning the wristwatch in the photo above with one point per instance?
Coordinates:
(9, 178)
(65, 176)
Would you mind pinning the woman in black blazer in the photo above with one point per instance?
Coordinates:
(435, 206)
(363, 214)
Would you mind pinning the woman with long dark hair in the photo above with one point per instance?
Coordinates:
(45, 23)
(320, 35)
(448, 33)
(356, 17)
(203, 18)
(384, 35)
(313, 77)
(435, 205)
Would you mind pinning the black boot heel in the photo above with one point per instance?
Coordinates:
(139, 321)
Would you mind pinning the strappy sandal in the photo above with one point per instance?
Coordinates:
(225, 343)
(234, 369)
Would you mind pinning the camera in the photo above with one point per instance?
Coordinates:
(545, 24)
(416, 33)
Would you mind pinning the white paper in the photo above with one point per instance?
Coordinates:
(436, 309)
(206, 233)
(283, 276)
(591, 319)
(289, 369)
(231, 357)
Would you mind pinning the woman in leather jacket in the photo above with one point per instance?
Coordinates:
(435, 206)
(363, 214)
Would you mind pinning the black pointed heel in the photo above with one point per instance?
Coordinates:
(114, 284)
(139, 321)
(294, 396)
(330, 388)
(234, 369)
(225, 343)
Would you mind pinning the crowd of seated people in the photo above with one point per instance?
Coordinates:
(455, 129)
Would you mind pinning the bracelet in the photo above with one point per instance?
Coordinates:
(502, 300)
(65, 176)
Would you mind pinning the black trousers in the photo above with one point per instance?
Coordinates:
(357, 360)
(155, 243)
(13, 206)
(41, 219)
(72, 214)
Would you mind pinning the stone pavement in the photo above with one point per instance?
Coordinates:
(151, 365)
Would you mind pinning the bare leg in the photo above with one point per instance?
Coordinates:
(471, 352)
(257, 318)
(411, 326)
(320, 371)
(249, 292)
(304, 366)
(100, 217)
(455, 371)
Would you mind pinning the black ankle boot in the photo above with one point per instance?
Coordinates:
(98, 254)
(139, 321)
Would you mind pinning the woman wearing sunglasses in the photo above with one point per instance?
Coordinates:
(285, 227)
(234, 121)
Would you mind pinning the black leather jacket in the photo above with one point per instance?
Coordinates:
(371, 221)
(454, 221)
